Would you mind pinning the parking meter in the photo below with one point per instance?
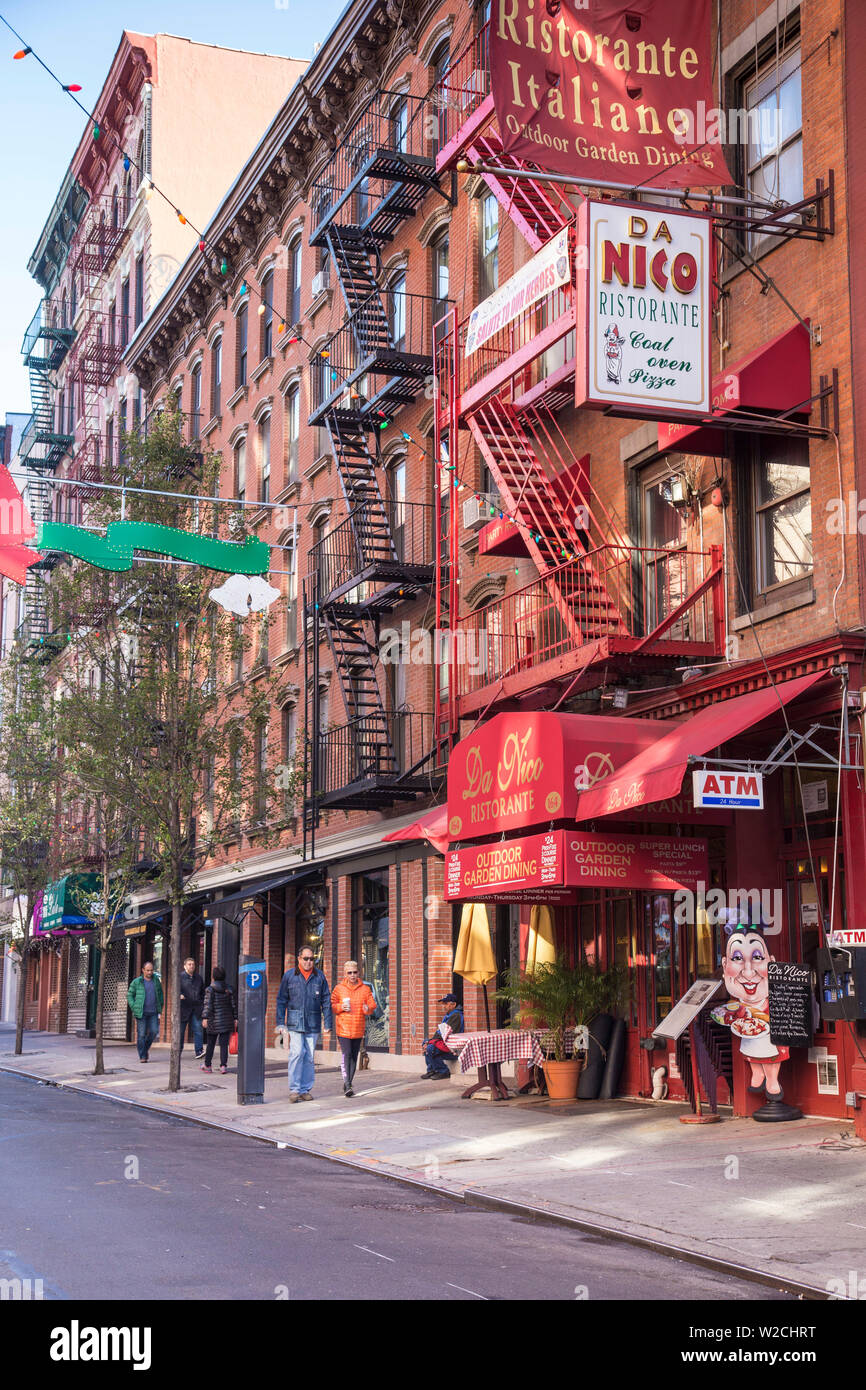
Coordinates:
(252, 1012)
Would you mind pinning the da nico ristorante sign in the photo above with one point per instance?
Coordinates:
(644, 310)
(547, 867)
(609, 90)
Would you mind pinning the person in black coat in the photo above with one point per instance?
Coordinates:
(191, 1003)
(219, 1017)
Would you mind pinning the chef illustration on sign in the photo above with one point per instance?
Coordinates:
(747, 1013)
(613, 341)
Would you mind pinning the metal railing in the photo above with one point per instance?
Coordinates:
(45, 347)
(614, 591)
(387, 136)
(389, 335)
(463, 88)
(359, 544)
(99, 233)
(517, 356)
(360, 751)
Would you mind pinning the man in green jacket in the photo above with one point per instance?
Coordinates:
(146, 1001)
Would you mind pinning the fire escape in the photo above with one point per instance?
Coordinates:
(598, 601)
(46, 441)
(381, 554)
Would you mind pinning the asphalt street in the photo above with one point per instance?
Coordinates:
(101, 1200)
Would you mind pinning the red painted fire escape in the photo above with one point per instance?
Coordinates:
(598, 602)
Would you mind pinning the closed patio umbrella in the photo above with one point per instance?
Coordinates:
(540, 947)
(474, 958)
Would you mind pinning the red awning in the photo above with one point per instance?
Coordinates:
(657, 772)
(774, 378)
(432, 826)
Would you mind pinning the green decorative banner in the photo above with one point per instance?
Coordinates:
(115, 550)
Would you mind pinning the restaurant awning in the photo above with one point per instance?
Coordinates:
(773, 379)
(526, 769)
(432, 826)
(657, 771)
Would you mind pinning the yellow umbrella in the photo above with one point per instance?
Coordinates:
(474, 958)
(540, 947)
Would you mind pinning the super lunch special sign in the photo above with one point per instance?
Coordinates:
(644, 310)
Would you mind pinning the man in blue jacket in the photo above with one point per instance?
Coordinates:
(303, 1007)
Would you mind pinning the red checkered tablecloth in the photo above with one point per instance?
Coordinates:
(505, 1045)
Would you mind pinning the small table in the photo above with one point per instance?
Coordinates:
(487, 1052)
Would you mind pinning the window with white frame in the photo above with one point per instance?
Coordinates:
(292, 432)
(489, 246)
(265, 459)
(773, 156)
(783, 511)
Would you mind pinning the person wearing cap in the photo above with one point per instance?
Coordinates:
(436, 1049)
(352, 1003)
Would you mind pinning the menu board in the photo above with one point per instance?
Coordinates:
(687, 1009)
(790, 1003)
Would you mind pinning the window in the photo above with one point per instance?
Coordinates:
(400, 126)
(323, 256)
(397, 313)
(489, 269)
(124, 313)
(292, 432)
(783, 512)
(293, 303)
(109, 443)
(664, 539)
(216, 376)
(439, 64)
(235, 775)
(241, 469)
(265, 459)
(289, 740)
(139, 289)
(260, 772)
(112, 324)
(290, 579)
(64, 311)
(267, 316)
(774, 153)
(439, 251)
(236, 667)
(137, 410)
(195, 403)
(241, 328)
(73, 309)
(398, 507)
(115, 212)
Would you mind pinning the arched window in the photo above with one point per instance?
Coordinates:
(292, 431)
(265, 459)
(216, 377)
(241, 327)
(293, 305)
(266, 314)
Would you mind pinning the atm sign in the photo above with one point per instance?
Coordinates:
(741, 790)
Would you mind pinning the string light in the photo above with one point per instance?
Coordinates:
(22, 53)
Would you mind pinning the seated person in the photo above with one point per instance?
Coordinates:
(436, 1049)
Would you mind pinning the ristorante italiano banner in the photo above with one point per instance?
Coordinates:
(608, 90)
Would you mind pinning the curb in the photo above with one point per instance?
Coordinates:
(470, 1197)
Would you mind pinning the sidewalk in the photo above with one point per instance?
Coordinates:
(785, 1202)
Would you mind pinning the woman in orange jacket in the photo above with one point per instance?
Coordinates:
(352, 1002)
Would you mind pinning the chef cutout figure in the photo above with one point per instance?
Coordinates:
(613, 341)
(746, 968)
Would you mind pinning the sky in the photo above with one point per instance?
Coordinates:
(40, 126)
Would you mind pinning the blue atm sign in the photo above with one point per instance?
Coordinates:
(742, 791)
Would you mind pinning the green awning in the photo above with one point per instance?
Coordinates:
(69, 902)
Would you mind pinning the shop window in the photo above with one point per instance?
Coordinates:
(310, 908)
(370, 945)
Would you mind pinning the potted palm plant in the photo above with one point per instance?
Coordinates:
(555, 998)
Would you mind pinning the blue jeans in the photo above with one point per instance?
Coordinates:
(302, 1072)
(197, 1034)
(148, 1032)
(435, 1060)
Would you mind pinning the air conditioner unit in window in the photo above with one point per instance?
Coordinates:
(475, 514)
(320, 283)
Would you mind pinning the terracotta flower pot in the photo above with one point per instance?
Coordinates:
(562, 1078)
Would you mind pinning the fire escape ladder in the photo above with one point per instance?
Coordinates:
(355, 659)
(550, 535)
(537, 211)
(360, 484)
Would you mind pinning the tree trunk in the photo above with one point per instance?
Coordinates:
(174, 972)
(22, 995)
(99, 1065)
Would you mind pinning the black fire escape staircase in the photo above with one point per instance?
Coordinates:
(378, 361)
